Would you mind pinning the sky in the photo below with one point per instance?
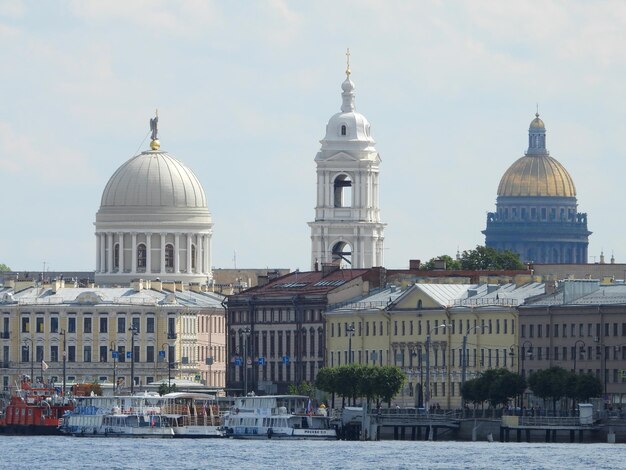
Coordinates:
(244, 91)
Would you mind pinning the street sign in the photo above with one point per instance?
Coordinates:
(161, 353)
(261, 361)
(115, 354)
(209, 361)
(249, 361)
(238, 361)
(129, 355)
(285, 359)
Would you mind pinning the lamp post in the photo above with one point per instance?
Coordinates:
(246, 335)
(133, 330)
(350, 334)
(32, 358)
(64, 360)
(443, 325)
(576, 352)
(169, 366)
(523, 358)
(113, 350)
(464, 364)
(512, 350)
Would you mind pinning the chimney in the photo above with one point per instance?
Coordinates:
(137, 284)
(414, 264)
(329, 268)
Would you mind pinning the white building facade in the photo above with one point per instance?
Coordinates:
(153, 223)
(347, 230)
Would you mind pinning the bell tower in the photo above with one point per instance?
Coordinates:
(347, 230)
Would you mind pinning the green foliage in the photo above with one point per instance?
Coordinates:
(550, 383)
(451, 263)
(486, 258)
(587, 386)
(371, 382)
(4, 268)
(496, 386)
(305, 388)
(165, 389)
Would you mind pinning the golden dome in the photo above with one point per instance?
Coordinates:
(537, 123)
(537, 175)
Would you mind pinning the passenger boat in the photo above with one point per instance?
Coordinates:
(192, 415)
(277, 417)
(34, 410)
(121, 416)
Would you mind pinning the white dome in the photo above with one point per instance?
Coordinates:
(153, 179)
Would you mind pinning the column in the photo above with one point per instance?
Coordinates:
(133, 262)
(199, 254)
(207, 266)
(188, 253)
(163, 252)
(177, 253)
(120, 237)
(149, 253)
(98, 252)
(103, 252)
(109, 236)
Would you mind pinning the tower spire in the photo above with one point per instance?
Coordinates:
(154, 122)
(347, 86)
(348, 63)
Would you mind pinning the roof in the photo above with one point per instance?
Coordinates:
(308, 282)
(600, 295)
(378, 300)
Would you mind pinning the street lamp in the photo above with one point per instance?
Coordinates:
(523, 358)
(62, 333)
(350, 334)
(133, 330)
(32, 358)
(464, 364)
(576, 352)
(113, 350)
(443, 325)
(169, 366)
(246, 335)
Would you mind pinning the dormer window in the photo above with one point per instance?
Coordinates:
(344, 129)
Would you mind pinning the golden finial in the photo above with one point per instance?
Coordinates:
(537, 113)
(348, 62)
(155, 144)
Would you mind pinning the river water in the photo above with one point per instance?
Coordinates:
(225, 454)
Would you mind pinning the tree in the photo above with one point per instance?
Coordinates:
(550, 383)
(4, 268)
(389, 382)
(587, 386)
(304, 388)
(505, 386)
(451, 263)
(487, 258)
(164, 389)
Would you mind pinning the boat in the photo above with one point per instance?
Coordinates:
(118, 416)
(277, 417)
(192, 415)
(34, 409)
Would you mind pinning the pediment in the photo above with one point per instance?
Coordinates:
(341, 157)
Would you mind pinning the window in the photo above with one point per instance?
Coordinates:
(136, 324)
(71, 353)
(116, 256)
(39, 354)
(39, 324)
(121, 324)
(54, 324)
(104, 325)
(141, 256)
(25, 325)
(169, 255)
(150, 325)
(343, 129)
(71, 325)
(54, 354)
(343, 191)
(87, 325)
(121, 354)
(193, 257)
(87, 354)
(104, 353)
(150, 354)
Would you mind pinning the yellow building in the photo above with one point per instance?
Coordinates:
(406, 328)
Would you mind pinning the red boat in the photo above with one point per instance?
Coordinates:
(34, 410)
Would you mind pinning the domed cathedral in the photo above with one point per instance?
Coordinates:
(536, 209)
(153, 222)
(347, 230)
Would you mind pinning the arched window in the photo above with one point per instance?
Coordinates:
(116, 256)
(141, 256)
(169, 256)
(193, 257)
(344, 129)
(419, 304)
(342, 255)
(343, 191)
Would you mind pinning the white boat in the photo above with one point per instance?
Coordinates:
(122, 416)
(277, 417)
(192, 415)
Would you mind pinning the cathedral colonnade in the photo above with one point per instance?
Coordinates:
(157, 253)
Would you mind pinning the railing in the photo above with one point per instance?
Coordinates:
(549, 421)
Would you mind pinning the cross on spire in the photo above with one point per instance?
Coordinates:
(348, 62)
